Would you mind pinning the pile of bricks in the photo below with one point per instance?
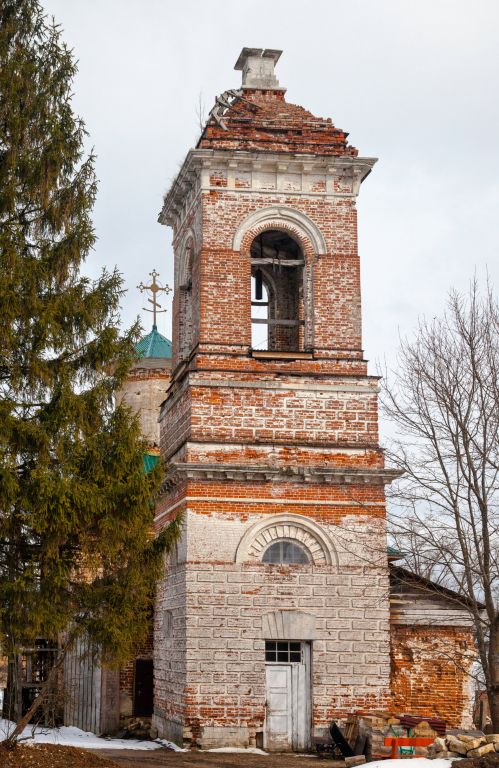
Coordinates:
(461, 745)
(376, 729)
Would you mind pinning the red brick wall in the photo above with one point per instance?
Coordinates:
(225, 274)
(430, 671)
(267, 409)
(264, 120)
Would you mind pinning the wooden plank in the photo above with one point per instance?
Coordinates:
(279, 262)
(264, 321)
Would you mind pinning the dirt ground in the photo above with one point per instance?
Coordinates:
(490, 760)
(196, 759)
(49, 756)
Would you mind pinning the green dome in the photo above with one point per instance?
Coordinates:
(154, 345)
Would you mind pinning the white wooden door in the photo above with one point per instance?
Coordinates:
(288, 705)
(278, 726)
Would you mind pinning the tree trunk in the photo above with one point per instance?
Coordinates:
(493, 689)
(17, 687)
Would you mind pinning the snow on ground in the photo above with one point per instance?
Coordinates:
(413, 762)
(69, 736)
(169, 745)
(240, 750)
(74, 737)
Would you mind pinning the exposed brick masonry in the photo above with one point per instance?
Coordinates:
(431, 668)
(269, 123)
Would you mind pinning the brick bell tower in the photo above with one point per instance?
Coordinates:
(272, 618)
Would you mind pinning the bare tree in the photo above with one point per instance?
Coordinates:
(444, 403)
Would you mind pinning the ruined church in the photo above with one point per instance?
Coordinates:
(281, 608)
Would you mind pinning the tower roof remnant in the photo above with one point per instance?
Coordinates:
(263, 121)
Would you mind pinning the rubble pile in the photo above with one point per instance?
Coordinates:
(378, 726)
(461, 745)
(136, 729)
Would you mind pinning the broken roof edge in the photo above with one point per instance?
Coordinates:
(197, 157)
(427, 585)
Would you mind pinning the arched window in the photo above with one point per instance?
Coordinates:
(186, 313)
(284, 552)
(277, 292)
(257, 542)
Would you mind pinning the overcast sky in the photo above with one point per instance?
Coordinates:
(415, 84)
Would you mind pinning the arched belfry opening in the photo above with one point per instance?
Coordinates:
(277, 313)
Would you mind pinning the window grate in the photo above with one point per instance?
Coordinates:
(286, 553)
(283, 652)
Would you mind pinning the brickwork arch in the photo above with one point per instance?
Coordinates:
(305, 233)
(291, 528)
(295, 223)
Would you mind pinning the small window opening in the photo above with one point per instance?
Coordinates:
(282, 652)
(285, 553)
(277, 314)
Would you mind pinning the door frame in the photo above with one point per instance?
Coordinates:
(137, 680)
(306, 665)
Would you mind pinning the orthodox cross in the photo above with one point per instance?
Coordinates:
(155, 288)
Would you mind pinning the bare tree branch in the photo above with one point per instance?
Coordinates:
(444, 403)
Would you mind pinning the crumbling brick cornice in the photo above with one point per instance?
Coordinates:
(298, 474)
(206, 170)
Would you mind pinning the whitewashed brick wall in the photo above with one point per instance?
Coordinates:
(218, 638)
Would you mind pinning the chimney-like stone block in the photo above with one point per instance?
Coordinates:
(257, 65)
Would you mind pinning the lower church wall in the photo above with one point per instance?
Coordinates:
(210, 664)
(219, 603)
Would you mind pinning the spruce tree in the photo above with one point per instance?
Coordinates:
(77, 555)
